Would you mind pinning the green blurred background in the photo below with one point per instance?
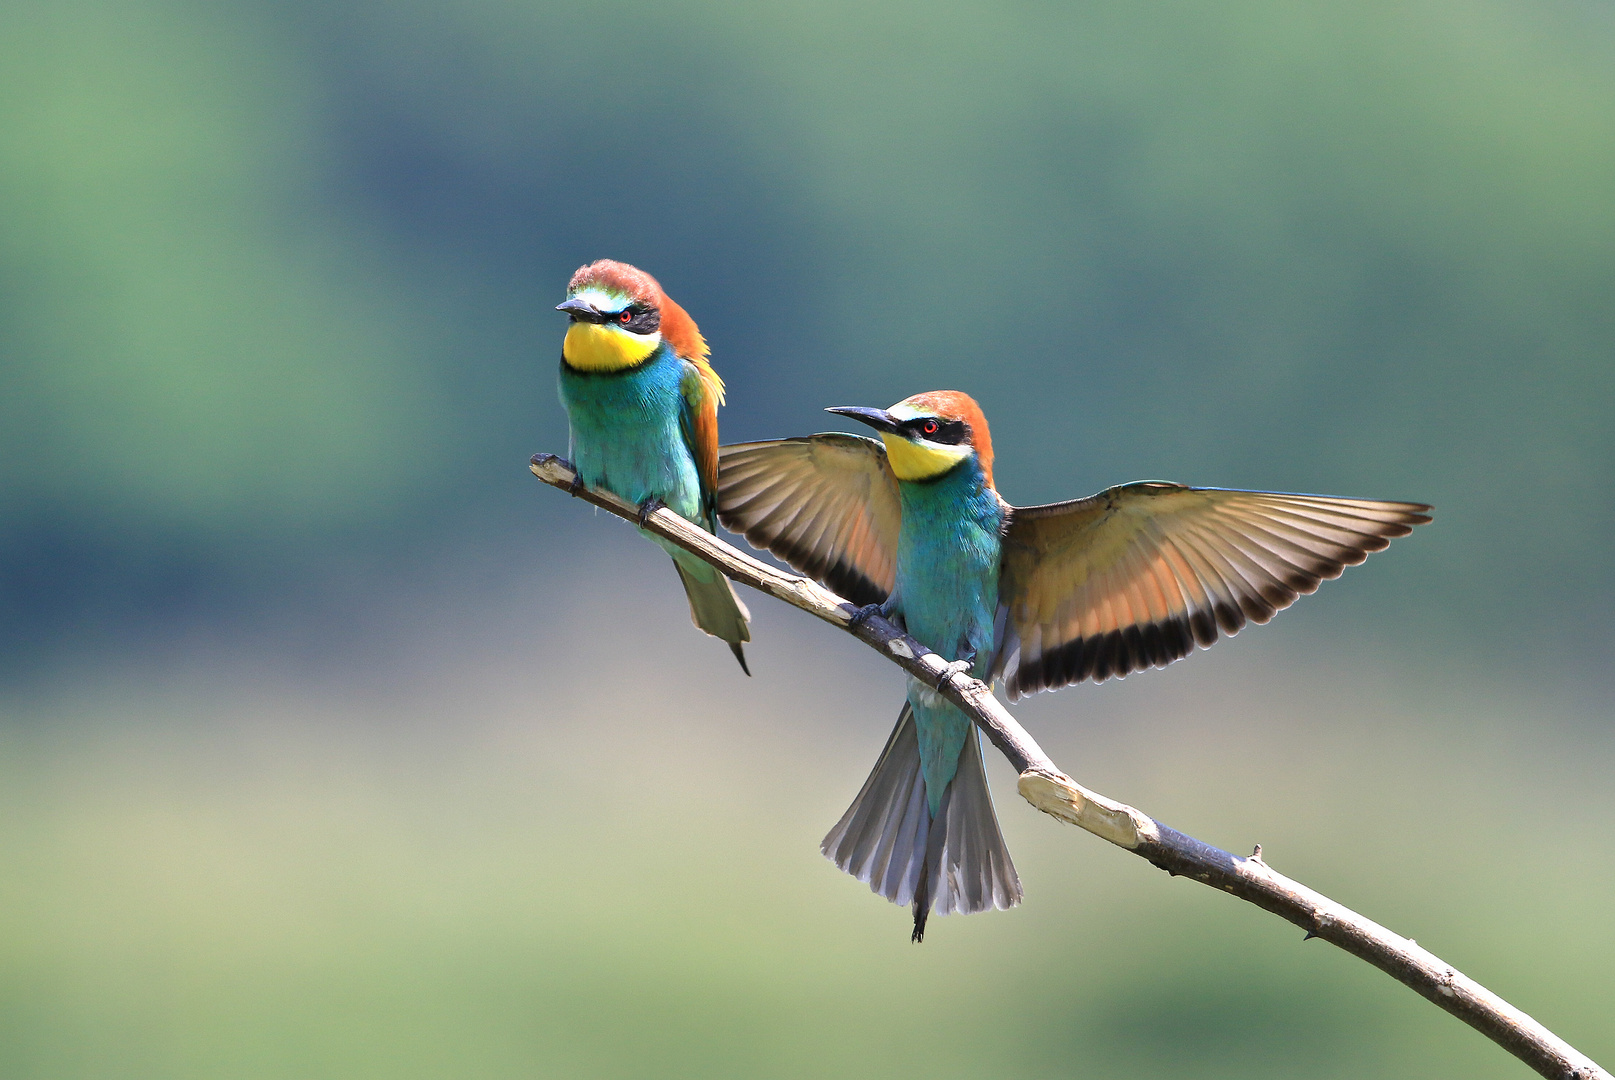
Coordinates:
(332, 745)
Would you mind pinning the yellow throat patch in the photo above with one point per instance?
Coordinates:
(921, 461)
(598, 347)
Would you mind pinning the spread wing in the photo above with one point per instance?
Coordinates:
(702, 391)
(1136, 576)
(826, 504)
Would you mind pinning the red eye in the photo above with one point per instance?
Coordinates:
(625, 316)
(929, 427)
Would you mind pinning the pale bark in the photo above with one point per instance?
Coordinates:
(1044, 786)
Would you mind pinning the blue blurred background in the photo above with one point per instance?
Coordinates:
(333, 745)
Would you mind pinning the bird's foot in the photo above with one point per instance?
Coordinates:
(649, 507)
(864, 613)
(957, 667)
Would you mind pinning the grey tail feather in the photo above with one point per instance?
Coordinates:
(922, 907)
(715, 608)
(887, 838)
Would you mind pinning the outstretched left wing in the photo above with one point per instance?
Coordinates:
(1136, 576)
(826, 504)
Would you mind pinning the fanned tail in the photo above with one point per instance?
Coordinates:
(714, 607)
(969, 865)
(957, 862)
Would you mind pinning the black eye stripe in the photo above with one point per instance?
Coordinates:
(948, 432)
(642, 320)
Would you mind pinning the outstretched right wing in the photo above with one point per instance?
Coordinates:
(1137, 576)
(826, 504)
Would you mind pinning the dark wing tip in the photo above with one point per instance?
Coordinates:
(1114, 654)
(841, 576)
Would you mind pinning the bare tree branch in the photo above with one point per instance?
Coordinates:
(1050, 790)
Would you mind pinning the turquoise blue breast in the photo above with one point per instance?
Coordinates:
(947, 592)
(627, 435)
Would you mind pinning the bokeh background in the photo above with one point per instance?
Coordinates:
(333, 745)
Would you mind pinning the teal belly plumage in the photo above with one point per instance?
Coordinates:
(628, 437)
(947, 595)
(923, 831)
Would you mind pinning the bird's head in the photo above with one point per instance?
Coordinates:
(620, 316)
(930, 434)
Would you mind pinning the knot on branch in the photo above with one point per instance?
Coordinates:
(1321, 921)
(1446, 983)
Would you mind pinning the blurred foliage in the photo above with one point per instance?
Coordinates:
(277, 276)
(191, 344)
(472, 863)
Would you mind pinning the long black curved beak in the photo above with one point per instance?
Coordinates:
(581, 311)
(879, 419)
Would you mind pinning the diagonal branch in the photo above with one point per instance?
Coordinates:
(1044, 786)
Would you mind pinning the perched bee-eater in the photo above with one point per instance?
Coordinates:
(1038, 596)
(643, 402)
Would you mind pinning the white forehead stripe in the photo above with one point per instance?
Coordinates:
(601, 300)
(904, 412)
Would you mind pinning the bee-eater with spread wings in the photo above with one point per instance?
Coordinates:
(642, 401)
(1038, 596)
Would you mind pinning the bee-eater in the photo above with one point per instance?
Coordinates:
(1038, 596)
(642, 401)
